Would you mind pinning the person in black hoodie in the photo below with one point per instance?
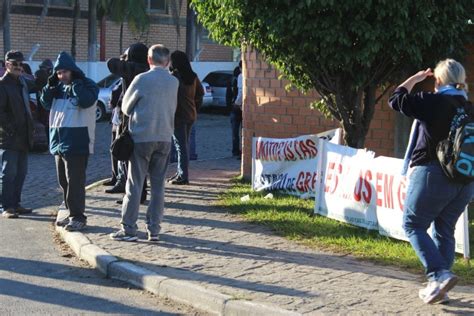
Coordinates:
(190, 95)
(129, 65)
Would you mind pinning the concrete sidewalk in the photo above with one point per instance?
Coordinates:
(206, 246)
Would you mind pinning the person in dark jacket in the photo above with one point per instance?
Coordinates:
(236, 112)
(190, 94)
(42, 74)
(132, 63)
(71, 99)
(115, 122)
(432, 197)
(16, 134)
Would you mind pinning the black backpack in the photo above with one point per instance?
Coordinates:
(456, 153)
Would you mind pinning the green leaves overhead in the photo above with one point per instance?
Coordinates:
(351, 38)
(344, 49)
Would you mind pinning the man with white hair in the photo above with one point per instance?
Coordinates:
(150, 103)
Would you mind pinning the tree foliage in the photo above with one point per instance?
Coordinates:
(132, 12)
(345, 49)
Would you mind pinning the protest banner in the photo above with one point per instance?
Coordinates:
(288, 165)
(369, 192)
(344, 193)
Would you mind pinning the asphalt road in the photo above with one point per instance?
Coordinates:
(39, 275)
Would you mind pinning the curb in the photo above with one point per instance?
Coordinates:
(177, 290)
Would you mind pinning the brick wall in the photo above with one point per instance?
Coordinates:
(271, 111)
(216, 52)
(54, 35)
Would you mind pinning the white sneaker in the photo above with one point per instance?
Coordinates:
(431, 294)
(447, 281)
(422, 294)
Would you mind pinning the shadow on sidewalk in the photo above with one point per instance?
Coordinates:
(189, 275)
(54, 296)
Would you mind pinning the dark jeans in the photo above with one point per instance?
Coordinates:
(12, 176)
(433, 198)
(71, 172)
(114, 161)
(181, 142)
(192, 144)
(236, 123)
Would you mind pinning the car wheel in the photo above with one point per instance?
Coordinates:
(100, 112)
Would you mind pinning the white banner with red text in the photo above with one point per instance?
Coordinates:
(368, 192)
(288, 165)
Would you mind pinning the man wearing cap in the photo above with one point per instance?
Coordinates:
(16, 134)
(71, 99)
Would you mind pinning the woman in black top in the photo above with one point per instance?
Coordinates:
(431, 196)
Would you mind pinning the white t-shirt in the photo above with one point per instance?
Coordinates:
(238, 100)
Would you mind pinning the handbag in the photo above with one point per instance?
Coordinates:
(122, 146)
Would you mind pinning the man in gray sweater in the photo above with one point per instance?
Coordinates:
(150, 102)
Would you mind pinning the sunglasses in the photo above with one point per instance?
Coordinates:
(15, 63)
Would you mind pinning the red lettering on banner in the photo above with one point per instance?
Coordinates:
(402, 193)
(332, 175)
(306, 181)
(295, 147)
(288, 152)
(378, 187)
(304, 149)
(368, 194)
(312, 146)
(388, 191)
(358, 188)
(363, 190)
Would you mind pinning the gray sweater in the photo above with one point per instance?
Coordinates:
(150, 102)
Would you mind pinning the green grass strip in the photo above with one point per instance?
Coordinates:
(293, 218)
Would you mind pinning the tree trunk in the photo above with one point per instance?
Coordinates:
(356, 123)
(76, 17)
(92, 36)
(6, 25)
(121, 39)
(102, 38)
(190, 33)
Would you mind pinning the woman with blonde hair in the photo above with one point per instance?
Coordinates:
(432, 197)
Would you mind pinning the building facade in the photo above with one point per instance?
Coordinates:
(54, 33)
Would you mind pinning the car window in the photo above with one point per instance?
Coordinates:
(108, 81)
(218, 79)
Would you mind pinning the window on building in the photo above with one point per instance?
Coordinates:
(58, 3)
(158, 6)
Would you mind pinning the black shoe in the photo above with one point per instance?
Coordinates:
(120, 202)
(116, 189)
(23, 210)
(111, 182)
(172, 178)
(179, 181)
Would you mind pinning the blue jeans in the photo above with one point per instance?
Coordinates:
(236, 122)
(181, 142)
(12, 177)
(433, 198)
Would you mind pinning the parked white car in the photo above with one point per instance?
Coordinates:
(106, 86)
(207, 99)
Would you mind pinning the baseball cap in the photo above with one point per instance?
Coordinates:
(14, 55)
